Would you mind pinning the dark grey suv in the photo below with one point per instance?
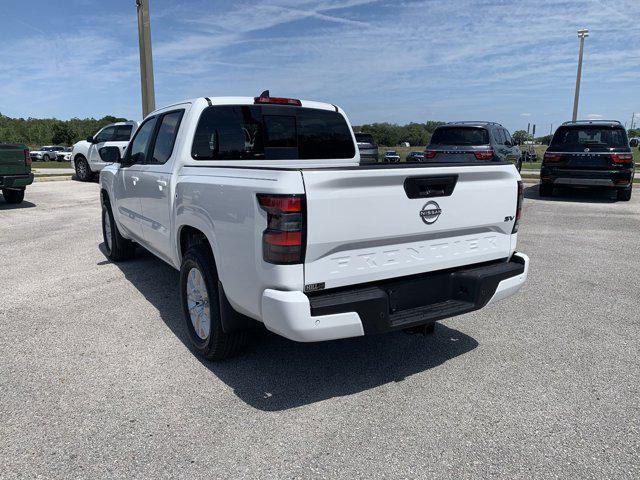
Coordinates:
(472, 142)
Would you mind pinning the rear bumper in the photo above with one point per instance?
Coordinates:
(589, 178)
(391, 305)
(16, 181)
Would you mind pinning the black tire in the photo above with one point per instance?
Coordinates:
(118, 248)
(217, 345)
(545, 190)
(83, 172)
(45, 158)
(13, 195)
(624, 195)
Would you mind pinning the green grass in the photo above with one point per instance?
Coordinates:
(35, 165)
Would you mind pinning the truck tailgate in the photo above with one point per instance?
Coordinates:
(367, 224)
(12, 160)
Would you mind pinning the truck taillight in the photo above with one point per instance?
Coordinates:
(518, 206)
(622, 157)
(430, 154)
(27, 158)
(483, 154)
(284, 238)
(552, 157)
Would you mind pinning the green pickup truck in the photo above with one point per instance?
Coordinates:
(15, 171)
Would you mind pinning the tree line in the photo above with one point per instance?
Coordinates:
(390, 134)
(35, 132)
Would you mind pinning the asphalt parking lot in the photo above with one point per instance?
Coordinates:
(96, 380)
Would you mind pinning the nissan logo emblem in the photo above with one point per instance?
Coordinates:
(430, 212)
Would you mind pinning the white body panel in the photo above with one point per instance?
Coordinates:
(361, 226)
(90, 150)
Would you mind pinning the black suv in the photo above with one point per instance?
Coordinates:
(472, 142)
(589, 154)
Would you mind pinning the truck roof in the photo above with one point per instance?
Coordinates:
(247, 101)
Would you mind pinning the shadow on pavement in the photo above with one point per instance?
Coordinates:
(275, 374)
(582, 195)
(15, 206)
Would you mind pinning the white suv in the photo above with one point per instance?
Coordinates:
(85, 158)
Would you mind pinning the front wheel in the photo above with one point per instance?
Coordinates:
(83, 173)
(625, 194)
(45, 158)
(13, 195)
(201, 307)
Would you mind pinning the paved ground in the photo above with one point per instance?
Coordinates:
(96, 380)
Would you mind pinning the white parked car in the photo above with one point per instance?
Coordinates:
(64, 155)
(46, 153)
(264, 208)
(85, 158)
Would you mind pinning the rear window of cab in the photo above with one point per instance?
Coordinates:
(271, 132)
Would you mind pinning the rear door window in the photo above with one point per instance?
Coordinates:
(460, 136)
(166, 137)
(271, 132)
(123, 133)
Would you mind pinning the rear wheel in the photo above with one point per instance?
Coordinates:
(625, 194)
(12, 195)
(546, 190)
(201, 306)
(83, 173)
(118, 248)
(45, 158)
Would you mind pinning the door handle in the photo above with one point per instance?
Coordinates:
(135, 180)
(162, 183)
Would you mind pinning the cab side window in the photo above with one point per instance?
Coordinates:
(106, 135)
(139, 144)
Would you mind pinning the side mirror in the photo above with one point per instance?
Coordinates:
(110, 154)
(90, 139)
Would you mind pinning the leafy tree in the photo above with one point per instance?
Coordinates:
(389, 134)
(35, 132)
(634, 132)
(546, 140)
(62, 134)
(520, 136)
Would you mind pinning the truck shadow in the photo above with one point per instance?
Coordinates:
(275, 374)
(15, 206)
(582, 195)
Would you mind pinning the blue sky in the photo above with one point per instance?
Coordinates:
(396, 61)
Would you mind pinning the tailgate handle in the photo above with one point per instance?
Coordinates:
(427, 187)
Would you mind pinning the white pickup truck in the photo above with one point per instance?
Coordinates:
(264, 207)
(85, 159)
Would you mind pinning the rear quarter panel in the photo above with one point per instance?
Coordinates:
(221, 202)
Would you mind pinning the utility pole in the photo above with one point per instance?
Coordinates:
(633, 116)
(582, 34)
(146, 59)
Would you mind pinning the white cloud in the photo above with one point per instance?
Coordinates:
(526, 114)
(595, 116)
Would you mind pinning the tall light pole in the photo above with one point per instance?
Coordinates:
(582, 34)
(146, 59)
